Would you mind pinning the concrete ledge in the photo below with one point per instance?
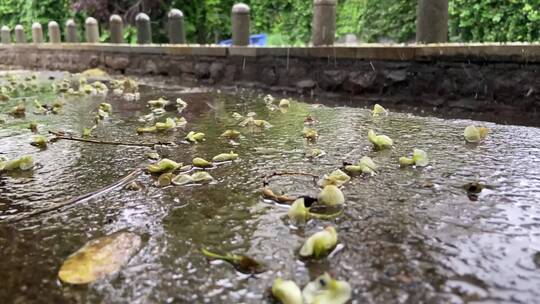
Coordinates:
(489, 52)
(497, 81)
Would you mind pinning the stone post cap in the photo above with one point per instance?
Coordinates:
(142, 17)
(5, 28)
(19, 27)
(175, 13)
(91, 20)
(240, 8)
(53, 23)
(115, 18)
(70, 22)
(36, 25)
(325, 2)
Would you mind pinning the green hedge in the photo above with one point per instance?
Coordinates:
(289, 21)
(494, 20)
(26, 12)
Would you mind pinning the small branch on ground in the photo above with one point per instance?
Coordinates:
(122, 182)
(64, 136)
(285, 173)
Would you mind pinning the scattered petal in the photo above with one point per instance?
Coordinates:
(165, 179)
(18, 111)
(284, 103)
(182, 179)
(158, 103)
(39, 141)
(180, 105)
(475, 134)
(195, 137)
(237, 116)
(164, 165)
(168, 125)
(33, 126)
(378, 110)
(94, 73)
(320, 244)
(268, 99)
(310, 134)
(23, 163)
(180, 121)
(315, 153)
(201, 163)
(337, 178)
(380, 141)
(106, 107)
(331, 196)
(287, 292)
(326, 290)
(201, 176)
(298, 213)
(419, 159)
(225, 157)
(365, 166)
(230, 134)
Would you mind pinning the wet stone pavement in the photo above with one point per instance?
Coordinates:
(407, 235)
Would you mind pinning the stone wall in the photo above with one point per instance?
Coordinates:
(503, 86)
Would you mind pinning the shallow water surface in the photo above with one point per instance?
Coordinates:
(407, 234)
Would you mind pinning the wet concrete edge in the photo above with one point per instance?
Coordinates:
(495, 82)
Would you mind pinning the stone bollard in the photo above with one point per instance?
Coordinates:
(54, 32)
(177, 34)
(144, 30)
(432, 21)
(20, 36)
(240, 24)
(91, 30)
(71, 31)
(5, 34)
(324, 22)
(37, 33)
(117, 29)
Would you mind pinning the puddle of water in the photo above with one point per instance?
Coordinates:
(408, 235)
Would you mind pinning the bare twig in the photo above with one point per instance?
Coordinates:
(284, 173)
(117, 143)
(267, 193)
(126, 179)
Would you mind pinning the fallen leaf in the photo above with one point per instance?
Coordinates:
(99, 258)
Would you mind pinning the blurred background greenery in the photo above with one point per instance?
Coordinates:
(288, 21)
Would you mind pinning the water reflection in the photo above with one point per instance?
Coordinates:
(408, 235)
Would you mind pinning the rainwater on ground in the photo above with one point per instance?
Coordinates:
(408, 235)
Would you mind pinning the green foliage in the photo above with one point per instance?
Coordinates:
(374, 21)
(289, 21)
(13, 12)
(493, 20)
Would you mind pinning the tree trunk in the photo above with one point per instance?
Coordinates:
(432, 21)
